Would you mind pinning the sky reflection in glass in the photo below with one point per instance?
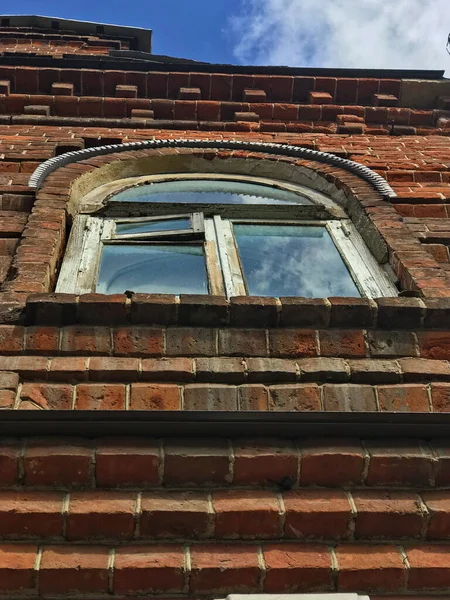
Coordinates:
(153, 269)
(282, 260)
(152, 226)
(210, 192)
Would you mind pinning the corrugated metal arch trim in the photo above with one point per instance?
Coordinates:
(49, 166)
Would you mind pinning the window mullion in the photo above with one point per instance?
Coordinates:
(234, 280)
(213, 265)
(370, 279)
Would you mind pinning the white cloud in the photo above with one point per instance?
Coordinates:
(397, 34)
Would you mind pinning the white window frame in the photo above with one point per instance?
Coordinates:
(80, 267)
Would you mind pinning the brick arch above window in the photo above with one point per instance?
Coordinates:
(376, 219)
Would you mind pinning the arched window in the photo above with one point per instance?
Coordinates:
(232, 235)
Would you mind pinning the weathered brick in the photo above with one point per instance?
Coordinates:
(374, 371)
(331, 462)
(292, 343)
(265, 462)
(372, 568)
(387, 514)
(107, 396)
(399, 462)
(48, 396)
(204, 396)
(297, 568)
(245, 514)
(242, 342)
(335, 343)
(403, 398)
(218, 568)
(351, 398)
(137, 341)
(73, 570)
(428, 567)
(186, 341)
(17, 574)
(99, 514)
(127, 462)
(154, 396)
(31, 514)
(196, 461)
(316, 514)
(297, 397)
(175, 514)
(391, 343)
(228, 370)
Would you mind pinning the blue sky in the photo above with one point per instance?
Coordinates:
(405, 34)
(186, 28)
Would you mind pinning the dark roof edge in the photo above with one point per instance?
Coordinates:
(143, 37)
(129, 63)
(226, 424)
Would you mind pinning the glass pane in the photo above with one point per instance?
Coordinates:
(153, 269)
(209, 191)
(152, 226)
(283, 260)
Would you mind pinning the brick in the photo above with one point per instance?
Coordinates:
(185, 341)
(5, 87)
(352, 312)
(102, 309)
(126, 91)
(103, 368)
(95, 514)
(175, 514)
(8, 381)
(434, 344)
(387, 514)
(58, 462)
(219, 568)
(297, 568)
(200, 462)
(65, 369)
(292, 343)
(253, 311)
(399, 462)
(422, 369)
(349, 398)
(73, 570)
(86, 340)
(253, 397)
(51, 309)
(441, 449)
(141, 113)
(298, 397)
(17, 574)
(10, 451)
(202, 311)
(242, 342)
(189, 93)
(374, 371)
(153, 309)
(100, 397)
(385, 100)
(304, 312)
(403, 398)
(337, 343)
(229, 370)
(138, 341)
(331, 462)
(316, 514)
(127, 462)
(167, 369)
(145, 396)
(245, 514)
(210, 397)
(41, 339)
(37, 109)
(324, 369)
(11, 338)
(438, 505)
(62, 89)
(391, 343)
(31, 514)
(372, 568)
(48, 396)
(265, 462)
(149, 569)
(319, 98)
(403, 313)
(429, 568)
(440, 397)
(270, 369)
(253, 95)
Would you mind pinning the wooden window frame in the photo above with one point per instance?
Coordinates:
(225, 274)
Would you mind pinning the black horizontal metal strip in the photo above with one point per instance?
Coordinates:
(225, 424)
